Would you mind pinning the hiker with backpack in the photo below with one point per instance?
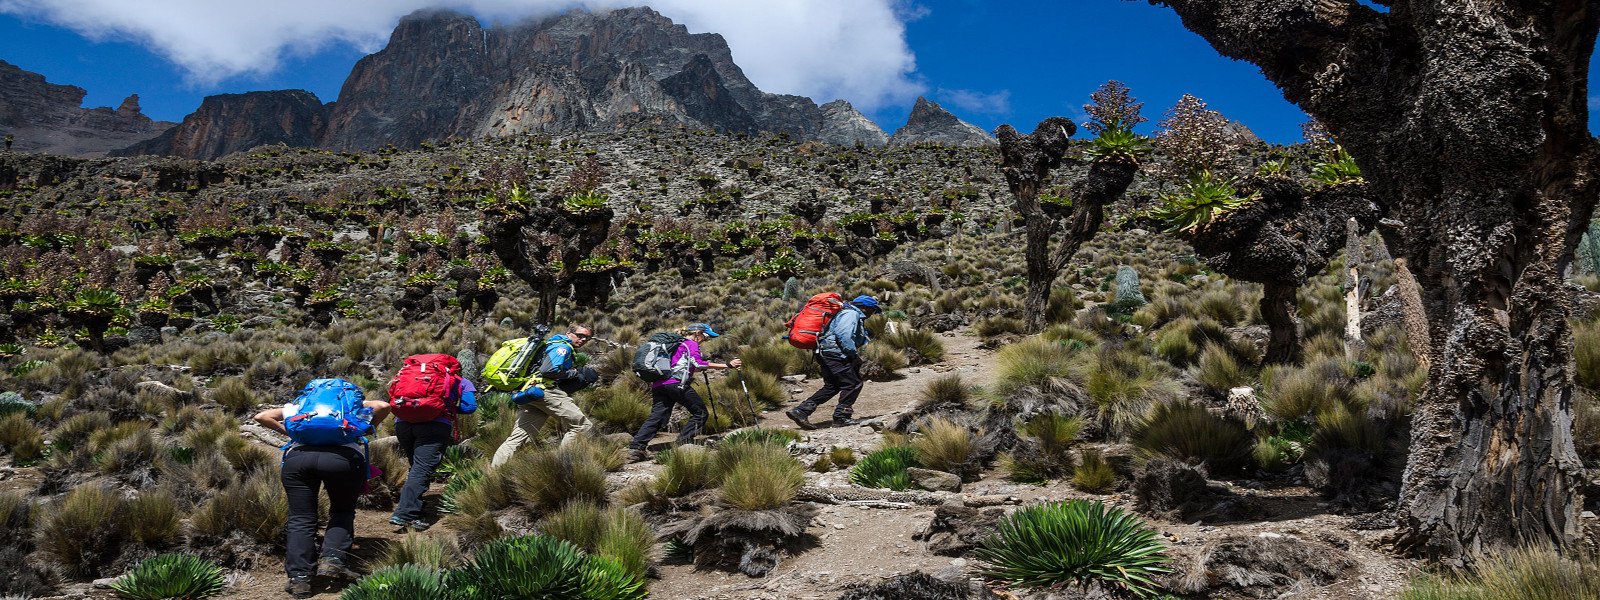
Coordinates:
(425, 397)
(548, 393)
(838, 351)
(327, 425)
(670, 383)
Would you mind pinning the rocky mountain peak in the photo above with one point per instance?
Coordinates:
(930, 122)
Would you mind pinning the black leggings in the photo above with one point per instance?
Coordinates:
(662, 399)
(306, 469)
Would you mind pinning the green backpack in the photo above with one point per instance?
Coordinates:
(507, 369)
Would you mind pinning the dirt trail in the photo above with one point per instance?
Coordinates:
(859, 545)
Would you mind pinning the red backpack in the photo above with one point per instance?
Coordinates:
(807, 326)
(420, 392)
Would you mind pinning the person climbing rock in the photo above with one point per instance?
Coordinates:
(839, 354)
(547, 395)
(672, 391)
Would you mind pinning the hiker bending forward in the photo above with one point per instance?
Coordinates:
(839, 354)
(668, 392)
(339, 468)
(546, 394)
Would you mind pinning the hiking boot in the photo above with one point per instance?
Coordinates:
(638, 455)
(415, 524)
(333, 567)
(845, 422)
(299, 587)
(800, 418)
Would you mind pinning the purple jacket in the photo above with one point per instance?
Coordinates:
(692, 349)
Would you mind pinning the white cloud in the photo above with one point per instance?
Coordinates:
(826, 49)
(988, 103)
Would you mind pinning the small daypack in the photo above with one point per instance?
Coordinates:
(652, 362)
(327, 413)
(806, 328)
(420, 392)
(507, 369)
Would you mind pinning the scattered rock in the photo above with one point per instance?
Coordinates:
(955, 530)
(920, 586)
(933, 481)
(258, 322)
(1262, 566)
(801, 378)
(1168, 487)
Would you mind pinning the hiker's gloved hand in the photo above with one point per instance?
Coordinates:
(588, 376)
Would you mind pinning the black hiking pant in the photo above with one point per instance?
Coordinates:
(423, 444)
(840, 375)
(306, 469)
(662, 399)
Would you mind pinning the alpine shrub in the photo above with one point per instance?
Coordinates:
(1074, 542)
(171, 577)
(417, 549)
(82, 530)
(885, 468)
(1190, 433)
(1093, 474)
(403, 582)
(1527, 574)
(764, 477)
(546, 479)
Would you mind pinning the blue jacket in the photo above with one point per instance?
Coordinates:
(846, 334)
(557, 364)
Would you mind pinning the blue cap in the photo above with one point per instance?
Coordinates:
(865, 301)
(703, 328)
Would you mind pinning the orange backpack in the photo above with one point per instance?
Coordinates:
(806, 327)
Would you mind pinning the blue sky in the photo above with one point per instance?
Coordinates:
(989, 63)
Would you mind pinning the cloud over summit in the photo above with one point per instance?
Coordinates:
(825, 49)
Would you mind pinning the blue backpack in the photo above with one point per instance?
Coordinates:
(327, 413)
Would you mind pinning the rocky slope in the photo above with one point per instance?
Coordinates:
(444, 76)
(46, 117)
(930, 122)
(228, 123)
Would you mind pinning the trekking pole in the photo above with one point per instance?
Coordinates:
(753, 418)
(711, 398)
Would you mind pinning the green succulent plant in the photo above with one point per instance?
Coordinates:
(171, 577)
(402, 582)
(1202, 198)
(97, 301)
(1118, 143)
(885, 467)
(1342, 169)
(529, 566)
(1074, 542)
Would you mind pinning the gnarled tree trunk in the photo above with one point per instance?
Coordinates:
(1469, 120)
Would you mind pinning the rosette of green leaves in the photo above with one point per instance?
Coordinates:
(171, 577)
(1202, 198)
(402, 582)
(1074, 542)
(1118, 143)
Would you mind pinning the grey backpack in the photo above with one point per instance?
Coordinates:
(653, 361)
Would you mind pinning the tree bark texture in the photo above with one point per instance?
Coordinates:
(1470, 122)
(1280, 240)
(1028, 160)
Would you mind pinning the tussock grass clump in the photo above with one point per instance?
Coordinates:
(943, 445)
(1586, 353)
(1062, 306)
(1043, 452)
(1035, 363)
(1093, 474)
(885, 468)
(402, 582)
(171, 577)
(687, 469)
(431, 551)
(233, 395)
(996, 326)
(617, 407)
(257, 507)
(921, 345)
(546, 479)
(944, 390)
(1191, 434)
(152, 518)
(82, 531)
(1074, 542)
(881, 361)
(1218, 371)
(1071, 336)
(21, 437)
(757, 476)
(761, 435)
(1123, 385)
(1526, 574)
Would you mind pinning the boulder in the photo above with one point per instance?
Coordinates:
(934, 481)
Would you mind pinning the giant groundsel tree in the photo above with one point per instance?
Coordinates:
(1469, 122)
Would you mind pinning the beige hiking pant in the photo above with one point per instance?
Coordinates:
(531, 418)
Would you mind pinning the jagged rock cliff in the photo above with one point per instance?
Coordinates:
(46, 117)
(842, 125)
(228, 123)
(930, 122)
